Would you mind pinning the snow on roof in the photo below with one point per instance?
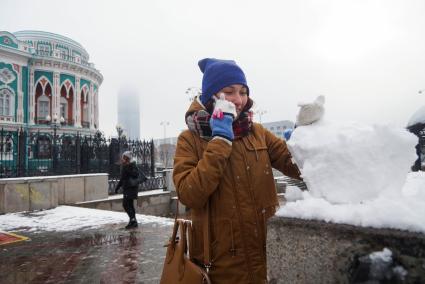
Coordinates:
(417, 117)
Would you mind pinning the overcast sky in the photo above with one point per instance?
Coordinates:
(366, 57)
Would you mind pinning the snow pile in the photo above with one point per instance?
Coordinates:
(417, 117)
(382, 267)
(293, 193)
(357, 174)
(69, 218)
(350, 162)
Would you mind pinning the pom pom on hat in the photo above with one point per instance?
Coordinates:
(218, 74)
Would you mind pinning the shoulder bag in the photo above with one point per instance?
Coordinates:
(178, 267)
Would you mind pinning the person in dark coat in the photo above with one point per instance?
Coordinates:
(129, 170)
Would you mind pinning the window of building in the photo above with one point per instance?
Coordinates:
(63, 52)
(272, 128)
(5, 102)
(84, 107)
(64, 108)
(43, 147)
(43, 49)
(86, 112)
(43, 107)
(6, 145)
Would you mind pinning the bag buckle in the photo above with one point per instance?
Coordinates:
(207, 267)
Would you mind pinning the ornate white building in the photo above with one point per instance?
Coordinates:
(47, 80)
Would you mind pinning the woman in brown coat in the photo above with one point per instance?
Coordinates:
(227, 159)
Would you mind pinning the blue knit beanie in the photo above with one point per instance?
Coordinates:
(219, 74)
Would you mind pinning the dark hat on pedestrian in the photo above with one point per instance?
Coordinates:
(218, 74)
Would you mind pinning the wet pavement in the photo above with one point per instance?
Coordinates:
(108, 254)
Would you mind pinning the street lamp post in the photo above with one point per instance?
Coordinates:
(54, 123)
(120, 131)
(165, 124)
(260, 112)
(192, 92)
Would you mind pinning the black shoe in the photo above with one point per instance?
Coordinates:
(132, 224)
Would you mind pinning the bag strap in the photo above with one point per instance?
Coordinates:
(206, 229)
(206, 232)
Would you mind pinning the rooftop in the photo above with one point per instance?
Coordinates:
(41, 35)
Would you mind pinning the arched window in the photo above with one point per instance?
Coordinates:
(96, 114)
(70, 100)
(43, 104)
(84, 107)
(86, 112)
(6, 98)
(66, 103)
(64, 93)
(64, 108)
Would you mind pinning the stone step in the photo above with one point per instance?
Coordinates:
(152, 202)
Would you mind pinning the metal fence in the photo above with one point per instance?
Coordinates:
(157, 182)
(24, 153)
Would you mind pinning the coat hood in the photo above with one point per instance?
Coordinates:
(195, 106)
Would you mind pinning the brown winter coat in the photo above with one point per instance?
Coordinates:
(239, 182)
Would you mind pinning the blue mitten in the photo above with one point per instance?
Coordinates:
(222, 119)
(287, 133)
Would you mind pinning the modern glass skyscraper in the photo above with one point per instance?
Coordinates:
(129, 112)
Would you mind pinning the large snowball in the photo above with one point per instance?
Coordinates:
(349, 162)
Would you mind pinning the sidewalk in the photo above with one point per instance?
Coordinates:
(104, 253)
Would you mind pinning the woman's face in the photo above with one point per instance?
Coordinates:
(237, 94)
(125, 160)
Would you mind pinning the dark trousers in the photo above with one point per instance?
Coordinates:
(128, 204)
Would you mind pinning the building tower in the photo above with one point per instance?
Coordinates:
(129, 112)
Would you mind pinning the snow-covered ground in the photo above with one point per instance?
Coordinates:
(357, 174)
(69, 218)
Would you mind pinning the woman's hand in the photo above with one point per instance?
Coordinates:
(222, 118)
